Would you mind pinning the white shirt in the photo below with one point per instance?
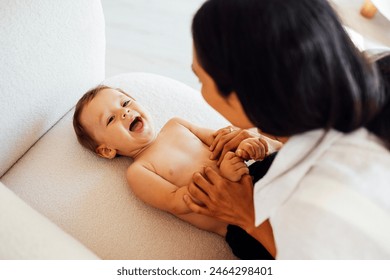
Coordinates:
(329, 198)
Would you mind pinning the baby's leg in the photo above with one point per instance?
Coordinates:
(233, 167)
(205, 223)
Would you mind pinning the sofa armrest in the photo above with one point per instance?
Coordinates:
(26, 234)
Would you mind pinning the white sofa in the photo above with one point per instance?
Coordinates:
(57, 200)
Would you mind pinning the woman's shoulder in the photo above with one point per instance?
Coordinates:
(358, 162)
(342, 201)
(365, 140)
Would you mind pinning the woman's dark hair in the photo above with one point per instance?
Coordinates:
(291, 64)
(381, 123)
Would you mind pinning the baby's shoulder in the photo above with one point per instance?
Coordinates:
(174, 123)
(139, 165)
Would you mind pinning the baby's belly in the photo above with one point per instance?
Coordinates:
(181, 166)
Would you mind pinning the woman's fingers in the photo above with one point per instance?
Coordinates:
(195, 207)
(221, 130)
(233, 143)
(228, 139)
(231, 202)
(220, 133)
(212, 177)
(199, 187)
(216, 140)
(224, 144)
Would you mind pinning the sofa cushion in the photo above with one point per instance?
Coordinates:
(51, 51)
(88, 196)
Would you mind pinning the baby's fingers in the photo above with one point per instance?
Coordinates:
(242, 170)
(215, 141)
(243, 154)
(249, 149)
(229, 156)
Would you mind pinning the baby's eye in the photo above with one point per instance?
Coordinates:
(110, 119)
(127, 102)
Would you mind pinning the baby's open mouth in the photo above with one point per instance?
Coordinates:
(136, 124)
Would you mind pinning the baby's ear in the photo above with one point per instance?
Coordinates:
(105, 151)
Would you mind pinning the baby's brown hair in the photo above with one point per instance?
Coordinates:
(83, 136)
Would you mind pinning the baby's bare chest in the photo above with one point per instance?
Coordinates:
(177, 153)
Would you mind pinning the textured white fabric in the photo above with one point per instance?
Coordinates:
(330, 202)
(51, 51)
(26, 234)
(88, 196)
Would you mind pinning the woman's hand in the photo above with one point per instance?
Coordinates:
(228, 139)
(231, 202)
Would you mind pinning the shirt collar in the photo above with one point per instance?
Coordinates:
(290, 165)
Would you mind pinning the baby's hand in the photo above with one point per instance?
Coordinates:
(233, 167)
(252, 148)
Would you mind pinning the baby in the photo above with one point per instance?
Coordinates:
(109, 122)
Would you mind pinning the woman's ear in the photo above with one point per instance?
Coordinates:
(105, 151)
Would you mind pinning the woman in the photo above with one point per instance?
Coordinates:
(288, 68)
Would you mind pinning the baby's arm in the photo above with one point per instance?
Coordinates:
(255, 148)
(156, 191)
(204, 134)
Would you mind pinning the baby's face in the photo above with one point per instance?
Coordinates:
(117, 123)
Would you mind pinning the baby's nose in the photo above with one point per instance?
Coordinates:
(125, 113)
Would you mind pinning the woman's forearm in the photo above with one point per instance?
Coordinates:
(264, 234)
